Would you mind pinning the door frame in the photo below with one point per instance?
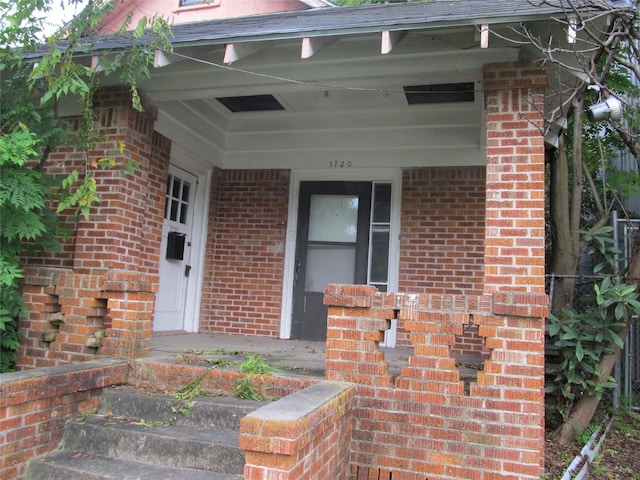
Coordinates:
(182, 159)
(390, 175)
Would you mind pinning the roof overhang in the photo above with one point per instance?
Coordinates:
(355, 51)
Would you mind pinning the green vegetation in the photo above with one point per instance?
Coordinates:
(582, 338)
(30, 131)
(251, 386)
(185, 396)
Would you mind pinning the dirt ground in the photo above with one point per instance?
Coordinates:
(618, 458)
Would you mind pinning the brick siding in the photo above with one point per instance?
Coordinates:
(442, 230)
(242, 290)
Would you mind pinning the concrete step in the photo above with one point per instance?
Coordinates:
(140, 436)
(72, 465)
(181, 446)
(210, 412)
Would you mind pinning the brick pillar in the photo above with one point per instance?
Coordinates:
(116, 234)
(130, 320)
(514, 229)
(104, 305)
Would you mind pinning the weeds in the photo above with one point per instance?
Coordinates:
(185, 397)
(256, 368)
(250, 386)
(219, 362)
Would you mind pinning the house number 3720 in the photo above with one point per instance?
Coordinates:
(339, 163)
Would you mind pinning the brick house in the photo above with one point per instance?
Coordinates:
(399, 148)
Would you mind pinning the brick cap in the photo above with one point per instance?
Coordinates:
(300, 404)
(515, 304)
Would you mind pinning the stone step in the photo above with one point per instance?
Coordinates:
(137, 435)
(181, 446)
(73, 465)
(211, 412)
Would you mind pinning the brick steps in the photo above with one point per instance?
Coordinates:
(137, 435)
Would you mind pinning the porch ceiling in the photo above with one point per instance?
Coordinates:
(339, 74)
(346, 100)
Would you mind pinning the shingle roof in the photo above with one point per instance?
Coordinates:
(364, 19)
(345, 20)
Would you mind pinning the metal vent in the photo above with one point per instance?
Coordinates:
(251, 103)
(439, 93)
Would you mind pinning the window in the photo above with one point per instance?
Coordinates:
(176, 204)
(193, 3)
(380, 228)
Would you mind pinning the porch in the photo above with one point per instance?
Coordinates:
(290, 357)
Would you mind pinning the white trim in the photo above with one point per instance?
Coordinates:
(180, 159)
(393, 175)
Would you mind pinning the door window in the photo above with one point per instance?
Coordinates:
(331, 246)
(176, 207)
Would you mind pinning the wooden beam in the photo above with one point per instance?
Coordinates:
(312, 45)
(484, 36)
(236, 51)
(162, 59)
(390, 39)
(96, 66)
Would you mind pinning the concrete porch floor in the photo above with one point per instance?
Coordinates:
(294, 356)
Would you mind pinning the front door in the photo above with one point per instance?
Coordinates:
(175, 249)
(332, 246)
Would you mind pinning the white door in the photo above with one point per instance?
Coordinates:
(175, 250)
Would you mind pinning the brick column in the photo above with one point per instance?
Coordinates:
(514, 229)
(129, 215)
(131, 305)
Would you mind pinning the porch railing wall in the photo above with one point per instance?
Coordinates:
(424, 423)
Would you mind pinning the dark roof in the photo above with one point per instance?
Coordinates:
(364, 19)
(344, 21)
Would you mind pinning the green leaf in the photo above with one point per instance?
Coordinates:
(617, 340)
(140, 28)
(554, 329)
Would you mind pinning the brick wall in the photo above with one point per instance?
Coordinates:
(425, 424)
(442, 236)
(35, 406)
(304, 436)
(74, 317)
(242, 290)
